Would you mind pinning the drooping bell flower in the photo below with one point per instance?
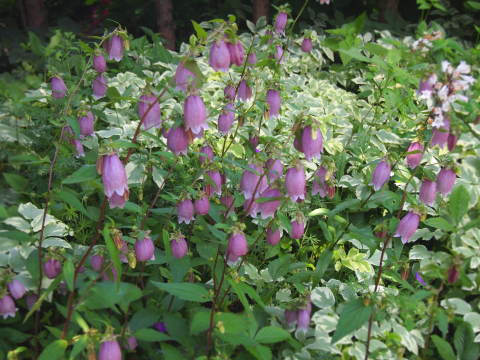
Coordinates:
(131, 343)
(306, 45)
(207, 150)
(237, 54)
(428, 192)
(110, 350)
(79, 147)
(52, 268)
(300, 200)
(319, 182)
(7, 307)
(276, 170)
(178, 245)
(99, 86)
(227, 201)
(217, 179)
(232, 260)
(290, 316)
(230, 92)
(253, 138)
(219, 56)
(298, 227)
(414, 159)
(59, 90)
(116, 48)
(244, 91)
(249, 181)
(99, 63)
(252, 209)
(86, 122)
(297, 146)
(269, 33)
(312, 142)
(106, 45)
(165, 131)
(268, 208)
(153, 117)
(445, 181)
(453, 274)
(115, 182)
(281, 23)
(201, 205)
(273, 99)
(226, 120)
(381, 234)
(185, 211)
(273, 238)
(16, 288)
(177, 141)
(407, 226)
(440, 137)
(252, 60)
(195, 114)
(181, 79)
(452, 141)
(425, 85)
(303, 320)
(278, 55)
(224, 178)
(237, 244)
(381, 175)
(295, 181)
(144, 250)
(97, 261)
(31, 299)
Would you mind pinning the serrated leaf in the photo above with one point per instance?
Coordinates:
(459, 203)
(439, 223)
(279, 267)
(353, 316)
(86, 172)
(54, 351)
(287, 224)
(322, 264)
(185, 291)
(444, 348)
(463, 339)
(271, 334)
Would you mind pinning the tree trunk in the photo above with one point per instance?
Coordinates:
(260, 8)
(166, 26)
(385, 5)
(36, 13)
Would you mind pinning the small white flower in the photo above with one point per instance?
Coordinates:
(415, 45)
(445, 65)
(433, 79)
(446, 105)
(426, 94)
(459, 97)
(463, 68)
(438, 122)
(443, 93)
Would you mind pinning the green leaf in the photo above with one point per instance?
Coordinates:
(151, 335)
(170, 352)
(37, 305)
(144, 318)
(351, 204)
(253, 294)
(179, 267)
(279, 267)
(271, 334)
(376, 49)
(85, 47)
(114, 254)
(474, 4)
(439, 223)
(74, 124)
(80, 344)
(394, 56)
(444, 348)
(69, 272)
(73, 201)
(322, 264)
(359, 23)
(185, 291)
(54, 351)
(353, 316)
(35, 44)
(166, 242)
(202, 34)
(463, 339)
(15, 181)
(459, 203)
(241, 296)
(193, 67)
(287, 224)
(86, 172)
(17, 236)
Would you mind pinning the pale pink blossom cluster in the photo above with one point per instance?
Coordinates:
(425, 43)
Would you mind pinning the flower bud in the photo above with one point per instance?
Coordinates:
(97, 261)
(110, 350)
(452, 141)
(99, 86)
(99, 63)
(446, 180)
(217, 179)
(303, 320)
(290, 316)
(86, 125)
(16, 288)
(306, 45)
(268, 208)
(273, 238)
(281, 23)
(428, 192)
(381, 175)
(244, 91)
(298, 228)
(477, 120)
(207, 150)
(227, 200)
(414, 159)
(237, 244)
(52, 268)
(279, 55)
(181, 79)
(144, 250)
(195, 114)
(404, 273)
(253, 138)
(131, 343)
(453, 274)
(237, 54)
(31, 300)
(273, 99)
(295, 182)
(312, 143)
(179, 247)
(381, 234)
(191, 278)
(220, 56)
(132, 259)
(185, 211)
(7, 307)
(114, 179)
(252, 60)
(153, 117)
(59, 90)
(439, 137)
(226, 120)
(249, 181)
(116, 48)
(330, 191)
(202, 205)
(407, 227)
(177, 141)
(230, 92)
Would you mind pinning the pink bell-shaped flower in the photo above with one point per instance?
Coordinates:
(181, 79)
(230, 92)
(295, 182)
(207, 150)
(407, 226)
(153, 117)
(144, 250)
(452, 141)
(79, 147)
(290, 316)
(217, 179)
(185, 211)
(269, 33)
(297, 146)
(414, 159)
(268, 208)
(273, 238)
(319, 182)
(445, 180)
(195, 114)
(177, 141)
(226, 120)
(273, 99)
(276, 170)
(381, 175)
(86, 124)
(281, 23)
(115, 182)
(179, 246)
(252, 60)
(59, 90)
(440, 137)
(425, 85)
(232, 260)
(312, 142)
(244, 91)
(201, 205)
(99, 86)
(303, 320)
(228, 202)
(116, 48)
(97, 261)
(306, 45)
(31, 299)
(52, 268)
(298, 228)
(110, 350)
(252, 209)
(7, 307)
(16, 288)
(99, 63)
(131, 343)
(237, 54)
(249, 181)
(237, 244)
(279, 55)
(253, 138)
(453, 274)
(428, 192)
(220, 56)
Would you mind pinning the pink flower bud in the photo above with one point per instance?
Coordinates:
(281, 23)
(290, 317)
(144, 250)
(268, 208)
(153, 117)
(114, 179)
(453, 274)
(381, 234)
(110, 350)
(237, 54)
(273, 238)
(181, 79)
(414, 159)
(298, 228)
(217, 179)
(7, 307)
(244, 91)
(452, 141)
(106, 45)
(446, 180)
(303, 320)
(252, 60)
(99, 86)
(330, 191)
(131, 343)
(230, 92)
(86, 125)
(381, 175)
(202, 206)
(16, 288)
(220, 56)
(237, 244)
(177, 141)
(185, 211)
(195, 114)
(253, 208)
(276, 170)
(116, 48)
(226, 120)
(439, 137)
(253, 138)
(428, 192)
(59, 90)
(207, 150)
(319, 184)
(180, 248)
(97, 262)
(273, 99)
(228, 202)
(306, 45)
(312, 147)
(407, 227)
(99, 63)
(278, 55)
(295, 182)
(52, 268)
(249, 181)
(31, 300)
(269, 33)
